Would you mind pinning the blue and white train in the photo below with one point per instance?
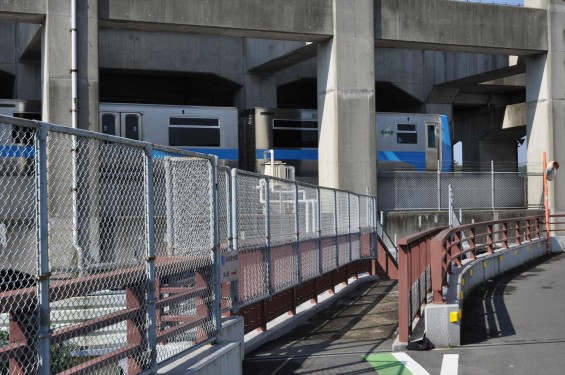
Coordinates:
(419, 142)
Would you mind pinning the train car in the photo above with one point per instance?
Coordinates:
(209, 130)
(404, 141)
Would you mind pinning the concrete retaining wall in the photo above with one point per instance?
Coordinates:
(443, 322)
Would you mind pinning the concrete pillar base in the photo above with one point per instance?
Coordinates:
(443, 325)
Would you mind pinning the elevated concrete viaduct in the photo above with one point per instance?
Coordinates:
(341, 34)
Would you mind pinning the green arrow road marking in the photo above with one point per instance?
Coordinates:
(387, 364)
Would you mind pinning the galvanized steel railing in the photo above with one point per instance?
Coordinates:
(110, 248)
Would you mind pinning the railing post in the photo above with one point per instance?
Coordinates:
(489, 239)
(268, 234)
(150, 258)
(234, 237)
(44, 331)
(297, 234)
(517, 232)
(436, 260)
(492, 184)
(438, 185)
(349, 224)
(336, 230)
(217, 311)
(320, 254)
(404, 319)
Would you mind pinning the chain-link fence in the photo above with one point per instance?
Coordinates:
(287, 232)
(109, 250)
(407, 190)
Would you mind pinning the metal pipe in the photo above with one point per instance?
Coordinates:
(215, 216)
(492, 183)
(234, 236)
(44, 329)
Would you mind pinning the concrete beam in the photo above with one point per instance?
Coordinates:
(28, 11)
(460, 26)
(477, 99)
(267, 19)
(286, 60)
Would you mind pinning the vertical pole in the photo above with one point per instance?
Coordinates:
(297, 233)
(403, 294)
(336, 230)
(450, 211)
(150, 258)
(216, 248)
(546, 204)
(169, 208)
(492, 184)
(349, 224)
(44, 332)
(320, 254)
(438, 185)
(234, 236)
(268, 235)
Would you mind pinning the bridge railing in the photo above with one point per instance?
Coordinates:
(294, 241)
(108, 251)
(426, 259)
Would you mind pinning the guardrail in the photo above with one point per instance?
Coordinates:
(426, 259)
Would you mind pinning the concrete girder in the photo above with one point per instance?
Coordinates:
(269, 19)
(448, 25)
(295, 56)
(28, 11)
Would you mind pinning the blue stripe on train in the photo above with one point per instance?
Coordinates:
(415, 158)
(17, 151)
(282, 154)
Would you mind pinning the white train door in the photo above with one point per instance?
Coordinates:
(122, 124)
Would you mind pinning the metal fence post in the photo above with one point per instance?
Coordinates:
(349, 224)
(216, 248)
(268, 235)
(234, 235)
(319, 208)
(492, 183)
(150, 258)
(439, 185)
(451, 212)
(336, 230)
(44, 332)
(297, 237)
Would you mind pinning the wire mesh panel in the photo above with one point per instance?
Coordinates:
(366, 225)
(19, 313)
(342, 198)
(97, 249)
(283, 232)
(328, 222)
(308, 228)
(470, 189)
(509, 190)
(535, 190)
(185, 267)
(407, 191)
(250, 194)
(354, 219)
(224, 216)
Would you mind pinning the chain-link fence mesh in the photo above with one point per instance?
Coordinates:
(125, 275)
(19, 312)
(404, 190)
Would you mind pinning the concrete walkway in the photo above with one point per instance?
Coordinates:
(512, 326)
(336, 340)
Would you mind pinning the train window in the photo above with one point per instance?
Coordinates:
(194, 131)
(406, 134)
(132, 127)
(293, 124)
(192, 121)
(109, 124)
(432, 136)
(187, 136)
(285, 138)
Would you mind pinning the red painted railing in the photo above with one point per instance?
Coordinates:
(414, 259)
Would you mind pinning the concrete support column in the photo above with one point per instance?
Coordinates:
(545, 95)
(56, 63)
(258, 90)
(347, 148)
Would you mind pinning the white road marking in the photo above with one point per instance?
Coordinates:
(413, 366)
(450, 364)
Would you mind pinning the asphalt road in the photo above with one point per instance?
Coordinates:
(512, 326)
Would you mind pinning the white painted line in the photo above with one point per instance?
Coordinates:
(450, 364)
(413, 366)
